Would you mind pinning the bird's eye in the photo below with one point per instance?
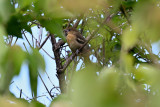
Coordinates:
(69, 29)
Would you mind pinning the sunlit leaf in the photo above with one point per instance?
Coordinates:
(24, 3)
(61, 101)
(8, 101)
(80, 6)
(2, 43)
(147, 21)
(55, 10)
(6, 10)
(109, 79)
(35, 103)
(115, 4)
(84, 86)
(11, 65)
(108, 84)
(130, 38)
(13, 61)
(146, 74)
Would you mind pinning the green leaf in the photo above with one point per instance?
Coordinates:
(33, 78)
(109, 79)
(130, 37)
(24, 3)
(35, 62)
(13, 27)
(147, 24)
(61, 100)
(2, 43)
(6, 10)
(147, 74)
(54, 26)
(95, 43)
(35, 103)
(16, 24)
(11, 64)
(24, 19)
(15, 102)
(115, 4)
(84, 85)
(53, 9)
(13, 59)
(129, 3)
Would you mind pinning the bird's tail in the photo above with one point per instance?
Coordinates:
(86, 56)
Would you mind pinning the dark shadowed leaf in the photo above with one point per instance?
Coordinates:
(16, 24)
(54, 26)
(13, 27)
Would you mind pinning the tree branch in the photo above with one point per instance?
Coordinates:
(69, 60)
(76, 24)
(45, 85)
(56, 51)
(44, 42)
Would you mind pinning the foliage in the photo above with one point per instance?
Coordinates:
(124, 70)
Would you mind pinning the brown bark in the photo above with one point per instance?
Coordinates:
(56, 51)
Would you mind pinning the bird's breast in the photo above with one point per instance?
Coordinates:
(72, 42)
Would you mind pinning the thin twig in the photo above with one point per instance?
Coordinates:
(51, 82)
(12, 82)
(69, 23)
(48, 54)
(16, 40)
(41, 96)
(69, 60)
(20, 94)
(82, 26)
(45, 85)
(27, 39)
(44, 42)
(40, 35)
(11, 37)
(122, 8)
(42, 46)
(32, 40)
(25, 46)
(76, 24)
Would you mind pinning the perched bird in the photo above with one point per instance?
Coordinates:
(75, 41)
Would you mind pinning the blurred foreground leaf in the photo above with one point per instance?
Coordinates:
(35, 63)
(6, 10)
(11, 64)
(147, 74)
(54, 26)
(12, 102)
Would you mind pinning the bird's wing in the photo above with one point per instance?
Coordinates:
(80, 39)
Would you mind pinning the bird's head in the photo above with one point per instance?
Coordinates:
(70, 30)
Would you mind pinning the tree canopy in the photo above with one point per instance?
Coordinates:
(124, 68)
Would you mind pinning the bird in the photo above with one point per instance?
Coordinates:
(75, 41)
